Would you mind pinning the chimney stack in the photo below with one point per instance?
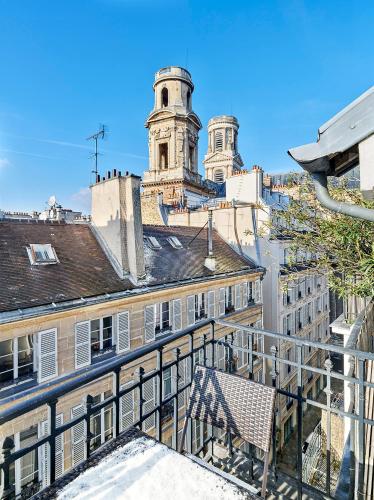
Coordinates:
(117, 222)
(210, 260)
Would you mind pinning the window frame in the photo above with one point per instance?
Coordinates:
(16, 364)
(102, 350)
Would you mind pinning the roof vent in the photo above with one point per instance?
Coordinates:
(41, 254)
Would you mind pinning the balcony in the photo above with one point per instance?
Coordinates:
(343, 449)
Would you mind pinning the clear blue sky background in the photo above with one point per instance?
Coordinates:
(282, 67)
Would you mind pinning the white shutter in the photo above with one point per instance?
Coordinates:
(181, 381)
(209, 354)
(211, 304)
(284, 325)
(78, 436)
(191, 310)
(149, 396)
(47, 345)
(221, 302)
(127, 409)
(245, 294)
(257, 291)
(44, 454)
(237, 299)
(177, 314)
(123, 332)
(60, 447)
(220, 356)
(149, 323)
(82, 344)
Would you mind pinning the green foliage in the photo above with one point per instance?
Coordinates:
(343, 246)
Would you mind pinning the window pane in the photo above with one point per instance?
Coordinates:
(95, 335)
(165, 315)
(96, 430)
(6, 360)
(107, 332)
(108, 422)
(25, 355)
(29, 463)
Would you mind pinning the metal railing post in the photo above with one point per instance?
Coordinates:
(117, 404)
(89, 404)
(175, 400)
(361, 431)
(299, 422)
(250, 355)
(328, 391)
(212, 333)
(139, 375)
(52, 440)
(8, 446)
(274, 378)
(159, 395)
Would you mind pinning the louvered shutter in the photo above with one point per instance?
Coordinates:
(44, 454)
(60, 452)
(238, 341)
(123, 332)
(82, 344)
(220, 356)
(188, 379)
(149, 396)
(181, 381)
(211, 304)
(127, 410)
(221, 302)
(177, 314)
(284, 325)
(237, 299)
(209, 354)
(78, 436)
(257, 291)
(47, 345)
(245, 294)
(191, 310)
(149, 323)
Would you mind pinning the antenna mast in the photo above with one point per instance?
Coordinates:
(95, 137)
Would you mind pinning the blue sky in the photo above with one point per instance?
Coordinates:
(282, 67)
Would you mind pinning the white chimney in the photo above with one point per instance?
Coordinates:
(117, 222)
(210, 260)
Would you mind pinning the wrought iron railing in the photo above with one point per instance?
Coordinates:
(205, 338)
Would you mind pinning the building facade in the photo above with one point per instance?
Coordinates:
(73, 296)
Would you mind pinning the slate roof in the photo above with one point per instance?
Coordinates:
(84, 270)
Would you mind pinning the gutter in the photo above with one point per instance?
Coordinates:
(323, 196)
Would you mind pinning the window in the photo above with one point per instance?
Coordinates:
(200, 306)
(250, 292)
(219, 176)
(42, 254)
(229, 299)
(163, 156)
(164, 97)
(167, 410)
(16, 358)
(101, 422)
(101, 335)
(25, 471)
(289, 399)
(153, 242)
(162, 317)
(188, 99)
(218, 141)
(174, 242)
(286, 256)
(191, 157)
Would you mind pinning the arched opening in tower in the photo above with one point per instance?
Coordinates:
(163, 156)
(218, 141)
(165, 97)
(188, 99)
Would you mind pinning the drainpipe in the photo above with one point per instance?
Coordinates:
(323, 196)
(210, 260)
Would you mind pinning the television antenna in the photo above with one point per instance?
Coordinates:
(103, 131)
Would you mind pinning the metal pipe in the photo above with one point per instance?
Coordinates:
(323, 196)
(210, 233)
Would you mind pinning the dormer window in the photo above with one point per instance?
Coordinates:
(174, 242)
(153, 242)
(42, 254)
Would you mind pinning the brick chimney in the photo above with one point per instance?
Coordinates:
(117, 222)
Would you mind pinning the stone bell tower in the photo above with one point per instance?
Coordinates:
(173, 140)
(222, 159)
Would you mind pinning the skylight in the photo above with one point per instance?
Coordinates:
(42, 254)
(174, 242)
(154, 242)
